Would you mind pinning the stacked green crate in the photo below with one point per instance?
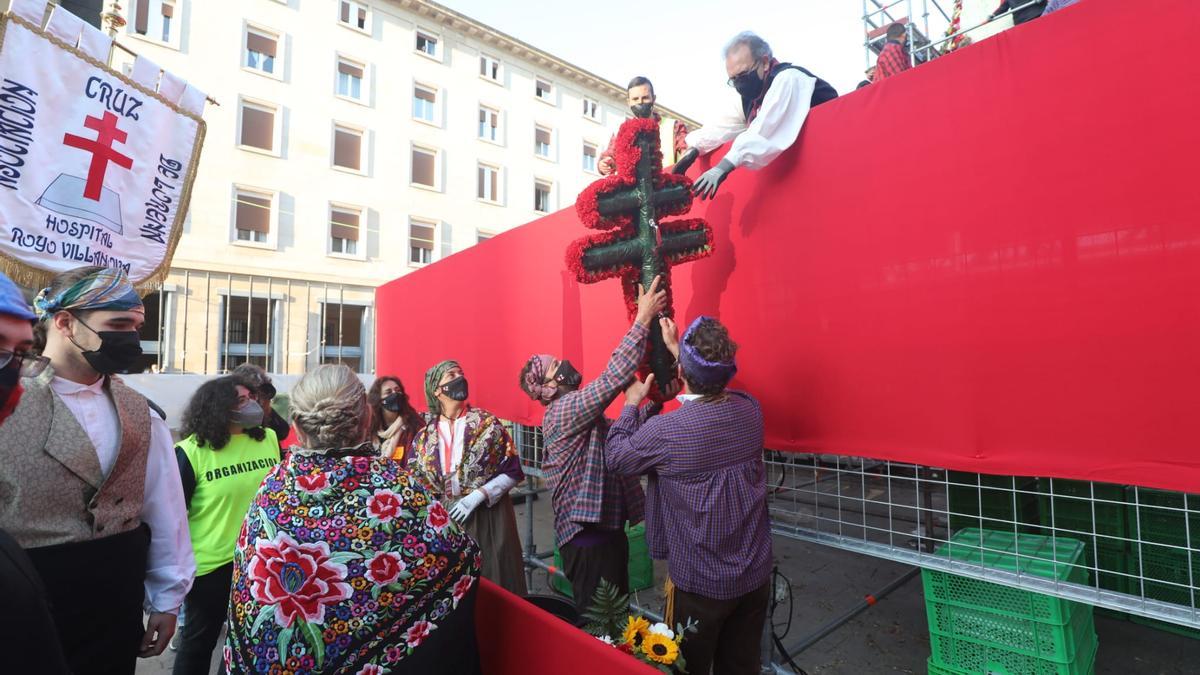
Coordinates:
(977, 626)
(1165, 524)
(641, 568)
(1094, 513)
(991, 502)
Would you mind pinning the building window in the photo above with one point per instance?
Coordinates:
(257, 129)
(489, 124)
(342, 330)
(427, 44)
(589, 157)
(344, 229)
(480, 237)
(541, 196)
(261, 48)
(424, 166)
(424, 103)
(350, 79)
(252, 216)
(541, 141)
(155, 333)
(420, 241)
(156, 19)
(353, 14)
(247, 332)
(544, 90)
(489, 68)
(591, 109)
(347, 148)
(488, 185)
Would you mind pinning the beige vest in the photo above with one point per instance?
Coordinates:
(52, 490)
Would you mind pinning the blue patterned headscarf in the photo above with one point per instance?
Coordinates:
(106, 288)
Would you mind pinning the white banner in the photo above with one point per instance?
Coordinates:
(94, 169)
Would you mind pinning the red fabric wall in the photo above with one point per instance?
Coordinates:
(517, 638)
(989, 263)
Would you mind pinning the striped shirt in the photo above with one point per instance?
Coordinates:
(706, 504)
(583, 492)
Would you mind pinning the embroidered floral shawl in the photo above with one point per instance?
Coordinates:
(486, 447)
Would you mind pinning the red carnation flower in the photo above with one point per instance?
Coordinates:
(384, 568)
(438, 517)
(312, 483)
(462, 586)
(418, 632)
(384, 505)
(298, 579)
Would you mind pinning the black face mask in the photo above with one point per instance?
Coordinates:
(119, 350)
(456, 389)
(749, 84)
(642, 109)
(567, 376)
(394, 402)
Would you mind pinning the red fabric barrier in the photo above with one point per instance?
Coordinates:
(516, 638)
(990, 262)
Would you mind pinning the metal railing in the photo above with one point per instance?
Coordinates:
(208, 322)
(923, 47)
(1140, 547)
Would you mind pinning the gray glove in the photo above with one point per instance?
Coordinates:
(708, 182)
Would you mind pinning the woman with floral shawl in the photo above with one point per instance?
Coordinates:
(469, 458)
(346, 562)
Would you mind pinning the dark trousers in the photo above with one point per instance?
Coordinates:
(729, 636)
(585, 566)
(204, 612)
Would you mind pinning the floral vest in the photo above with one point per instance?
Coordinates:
(485, 445)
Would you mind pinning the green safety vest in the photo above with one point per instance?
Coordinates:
(226, 482)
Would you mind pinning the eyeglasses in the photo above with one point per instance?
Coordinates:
(733, 80)
(31, 365)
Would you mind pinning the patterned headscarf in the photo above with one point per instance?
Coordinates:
(105, 289)
(695, 366)
(432, 377)
(534, 382)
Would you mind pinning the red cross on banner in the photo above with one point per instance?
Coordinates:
(102, 151)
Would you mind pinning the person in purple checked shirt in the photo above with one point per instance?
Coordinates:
(591, 504)
(706, 500)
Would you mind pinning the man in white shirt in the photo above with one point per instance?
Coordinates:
(88, 481)
(775, 99)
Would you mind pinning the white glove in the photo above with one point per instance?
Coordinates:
(462, 510)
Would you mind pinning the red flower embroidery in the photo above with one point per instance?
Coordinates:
(298, 579)
(371, 669)
(384, 568)
(312, 483)
(418, 632)
(384, 505)
(438, 518)
(461, 587)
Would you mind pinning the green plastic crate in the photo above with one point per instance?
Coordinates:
(936, 668)
(990, 502)
(978, 656)
(1072, 506)
(1165, 517)
(641, 567)
(1036, 639)
(1051, 558)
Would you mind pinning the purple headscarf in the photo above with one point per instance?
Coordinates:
(534, 383)
(698, 370)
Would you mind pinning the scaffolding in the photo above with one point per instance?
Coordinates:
(923, 19)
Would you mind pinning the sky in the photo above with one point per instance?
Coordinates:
(678, 43)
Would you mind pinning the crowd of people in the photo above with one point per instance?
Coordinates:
(359, 542)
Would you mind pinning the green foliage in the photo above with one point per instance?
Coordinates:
(608, 612)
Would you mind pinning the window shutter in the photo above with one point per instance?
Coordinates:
(258, 128)
(424, 94)
(350, 69)
(543, 136)
(141, 21)
(344, 224)
(347, 149)
(168, 10)
(482, 172)
(261, 44)
(447, 241)
(422, 167)
(253, 213)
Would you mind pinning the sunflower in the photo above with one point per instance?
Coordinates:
(660, 648)
(636, 627)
